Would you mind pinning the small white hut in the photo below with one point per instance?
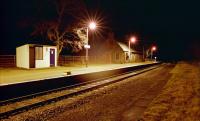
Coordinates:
(36, 56)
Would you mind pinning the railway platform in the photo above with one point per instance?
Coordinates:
(18, 75)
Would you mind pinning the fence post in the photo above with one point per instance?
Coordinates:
(14, 60)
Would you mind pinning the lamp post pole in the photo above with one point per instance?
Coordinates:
(133, 40)
(86, 48)
(91, 26)
(129, 49)
(152, 49)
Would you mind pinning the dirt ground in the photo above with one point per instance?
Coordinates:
(180, 99)
(125, 100)
(163, 94)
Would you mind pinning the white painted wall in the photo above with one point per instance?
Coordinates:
(46, 58)
(55, 55)
(22, 56)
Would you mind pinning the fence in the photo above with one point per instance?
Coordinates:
(10, 60)
(81, 60)
(66, 60)
(7, 60)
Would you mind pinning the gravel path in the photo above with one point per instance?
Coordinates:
(121, 101)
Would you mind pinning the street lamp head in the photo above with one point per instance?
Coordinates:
(153, 48)
(133, 39)
(92, 25)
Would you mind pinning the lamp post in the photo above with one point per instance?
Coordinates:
(86, 46)
(92, 26)
(132, 40)
(155, 58)
(152, 49)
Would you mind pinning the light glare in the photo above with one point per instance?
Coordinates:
(153, 48)
(133, 39)
(92, 25)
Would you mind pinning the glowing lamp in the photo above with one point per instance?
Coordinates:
(133, 39)
(92, 25)
(153, 48)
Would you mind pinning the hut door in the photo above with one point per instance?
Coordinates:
(52, 57)
(32, 57)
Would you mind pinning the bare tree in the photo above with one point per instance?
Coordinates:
(60, 30)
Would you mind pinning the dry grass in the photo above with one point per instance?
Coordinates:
(180, 98)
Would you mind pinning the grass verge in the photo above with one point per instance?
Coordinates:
(180, 98)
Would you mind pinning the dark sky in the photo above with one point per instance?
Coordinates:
(173, 25)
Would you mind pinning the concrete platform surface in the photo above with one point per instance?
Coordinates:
(18, 75)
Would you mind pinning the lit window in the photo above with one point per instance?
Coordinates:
(39, 53)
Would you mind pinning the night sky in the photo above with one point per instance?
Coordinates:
(172, 25)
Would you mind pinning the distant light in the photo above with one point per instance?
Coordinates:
(153, 48)
(92, 25)
(87, 46)
(133, 39)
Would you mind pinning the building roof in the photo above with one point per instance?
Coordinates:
(125, 48)
(32, 45)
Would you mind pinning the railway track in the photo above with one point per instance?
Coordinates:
(28, 102)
